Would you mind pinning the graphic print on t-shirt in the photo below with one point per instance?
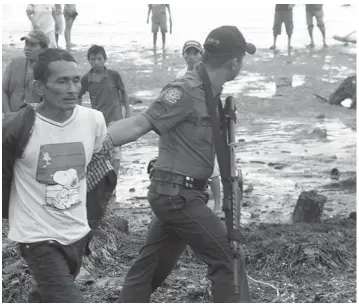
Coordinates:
(61, 167)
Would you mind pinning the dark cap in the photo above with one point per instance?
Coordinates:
(192, 44)
(36, 37)
(227, 40)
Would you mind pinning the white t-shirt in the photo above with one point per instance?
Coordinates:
(48, 192)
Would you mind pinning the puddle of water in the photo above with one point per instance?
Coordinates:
(251, 84)
(298, 80)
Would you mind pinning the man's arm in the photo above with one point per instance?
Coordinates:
(121, 87)
(30, 13)
(149, 11)
(128, 130)
(5, 89)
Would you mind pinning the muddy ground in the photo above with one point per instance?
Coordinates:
(282, 151)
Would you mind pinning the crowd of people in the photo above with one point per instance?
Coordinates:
(284, 14)
(61, 160)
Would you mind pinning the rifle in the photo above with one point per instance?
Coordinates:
(224, 140)
(232, 189)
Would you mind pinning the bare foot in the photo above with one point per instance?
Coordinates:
(273, 47)
(290, 47)
(311, 45)
(325, 45)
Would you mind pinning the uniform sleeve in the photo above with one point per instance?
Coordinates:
(171, 108)
(100, 131)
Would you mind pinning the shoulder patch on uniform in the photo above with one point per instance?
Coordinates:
(172, 95)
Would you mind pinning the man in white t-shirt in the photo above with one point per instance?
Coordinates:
(47, 206)
(192, 53)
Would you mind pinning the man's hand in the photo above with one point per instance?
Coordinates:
(148, 20)
(170, 25)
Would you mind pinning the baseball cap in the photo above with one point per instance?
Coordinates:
(227, 40)
(192, 44)
(36, 37)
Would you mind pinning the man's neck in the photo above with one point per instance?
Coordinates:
(100, 71)
(53, 114)
(217, 78)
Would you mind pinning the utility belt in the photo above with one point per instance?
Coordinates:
(174, 178)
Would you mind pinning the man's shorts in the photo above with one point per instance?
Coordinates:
(159, 22)
(69, 15)
(319, 16)
(285, 17)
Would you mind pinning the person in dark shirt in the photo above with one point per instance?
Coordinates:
(315, 10)
(283, 14)
(107, 91)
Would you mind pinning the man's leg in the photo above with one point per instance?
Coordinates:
(320, 24)
(155, 28)
(289, 27)
(67, 32)
(52, 272)
(310, 25)
(163, 26)
(277, 28)
(189, 216)
(158, 256)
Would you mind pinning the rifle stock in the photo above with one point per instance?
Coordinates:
(232, 188)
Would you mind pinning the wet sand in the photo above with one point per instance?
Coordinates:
(277, 114)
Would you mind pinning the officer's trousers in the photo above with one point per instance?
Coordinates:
(180, 220)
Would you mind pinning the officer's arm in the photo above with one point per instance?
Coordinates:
(128, 130)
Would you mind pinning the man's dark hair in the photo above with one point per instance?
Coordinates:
(216, 60)
(96, 49)
(49, 55)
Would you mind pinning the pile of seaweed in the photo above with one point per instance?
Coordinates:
(285, 263)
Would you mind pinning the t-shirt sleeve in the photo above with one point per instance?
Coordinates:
(119, 83)
(100, 131)
(171, 108)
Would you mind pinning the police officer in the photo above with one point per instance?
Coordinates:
(185, 162)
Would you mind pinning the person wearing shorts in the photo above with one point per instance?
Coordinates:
(315, 10)
(59, 23)
(159, 21)
(70, 15)
(283, 14)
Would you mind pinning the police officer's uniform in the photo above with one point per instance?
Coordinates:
(185, 163)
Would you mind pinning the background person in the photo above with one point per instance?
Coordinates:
(42, 17)
(159, 21)
(283, 14)
(70, 14)
(17, 81)
(315, 10)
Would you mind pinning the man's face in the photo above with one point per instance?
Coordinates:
(62, 86)
(236, 66)
(32, 50)
(192, 56)
(97, 61)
